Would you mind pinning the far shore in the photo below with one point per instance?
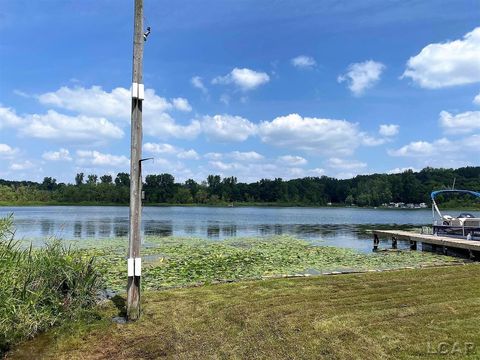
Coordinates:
(223, 205)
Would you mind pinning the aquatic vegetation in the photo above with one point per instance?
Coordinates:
(170, 261)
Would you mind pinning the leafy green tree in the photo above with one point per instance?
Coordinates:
(122, 179)
(183, 196)
(79, 179)
(92, 179)
(214, 185)
(350, 200)
(201, 197)
(193, 187)
(159, 188)
(106, 179)
(49, 183)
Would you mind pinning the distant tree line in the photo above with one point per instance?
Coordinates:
(362, 190)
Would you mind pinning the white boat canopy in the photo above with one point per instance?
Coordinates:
(435, 193)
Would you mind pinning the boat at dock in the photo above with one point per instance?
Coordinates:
(464, 225)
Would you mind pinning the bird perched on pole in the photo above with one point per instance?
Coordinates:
(146, 33)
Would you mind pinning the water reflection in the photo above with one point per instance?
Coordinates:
(120, 229)
(105, 228)
(190, 229)
(46, 226)
(160, 228)
(213, 231)
(91, 229)
(340, 227)
(271, 229)
(77, 229)
(229, 230)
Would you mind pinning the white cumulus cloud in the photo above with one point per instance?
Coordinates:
(115, 106)
(97, 159)
(303, 62)
(213, 156)
(53, 125)
(245, 79)
(6, 151)
(181, 104)
(227, 127)
(159, 148)
(9, 118)
(23, 165)
(60, 155)
(445, 64)
(322, 136)
(164, 126)
(460, 123)
(92, 101)
(442, 149)
(167, 149)
(476, 99)
(362, 76)
(388, 130)
(292, 160)
(197, 82)
(246, 156)
(188, 155)
(345, 164)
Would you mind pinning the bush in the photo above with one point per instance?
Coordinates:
(40, 288)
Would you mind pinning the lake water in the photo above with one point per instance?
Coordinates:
(342, 227)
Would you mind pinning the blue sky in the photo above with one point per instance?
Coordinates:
(254, 89)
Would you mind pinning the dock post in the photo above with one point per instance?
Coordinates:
(413, 245)
(471, 255)
(394, 242)
(376, 241)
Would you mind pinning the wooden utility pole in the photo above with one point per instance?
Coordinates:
(134, 260)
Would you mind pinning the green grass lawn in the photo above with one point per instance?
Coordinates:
(404, 314)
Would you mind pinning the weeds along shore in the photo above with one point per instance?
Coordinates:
(40, 288)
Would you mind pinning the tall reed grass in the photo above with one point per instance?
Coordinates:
(42, 287)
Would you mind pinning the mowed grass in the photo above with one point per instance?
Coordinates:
(406, 314)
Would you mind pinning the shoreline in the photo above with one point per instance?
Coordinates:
(4, 204)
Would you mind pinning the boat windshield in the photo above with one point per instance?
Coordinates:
(465, 216)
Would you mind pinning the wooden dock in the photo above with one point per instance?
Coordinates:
(472, 247)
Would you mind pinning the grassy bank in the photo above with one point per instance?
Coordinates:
(427, 313)
(40, 288)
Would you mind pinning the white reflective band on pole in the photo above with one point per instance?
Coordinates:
(138, 91)
(131, 266)
(138, 266)
(134, 266)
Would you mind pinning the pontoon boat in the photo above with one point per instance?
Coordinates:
(464, 225)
